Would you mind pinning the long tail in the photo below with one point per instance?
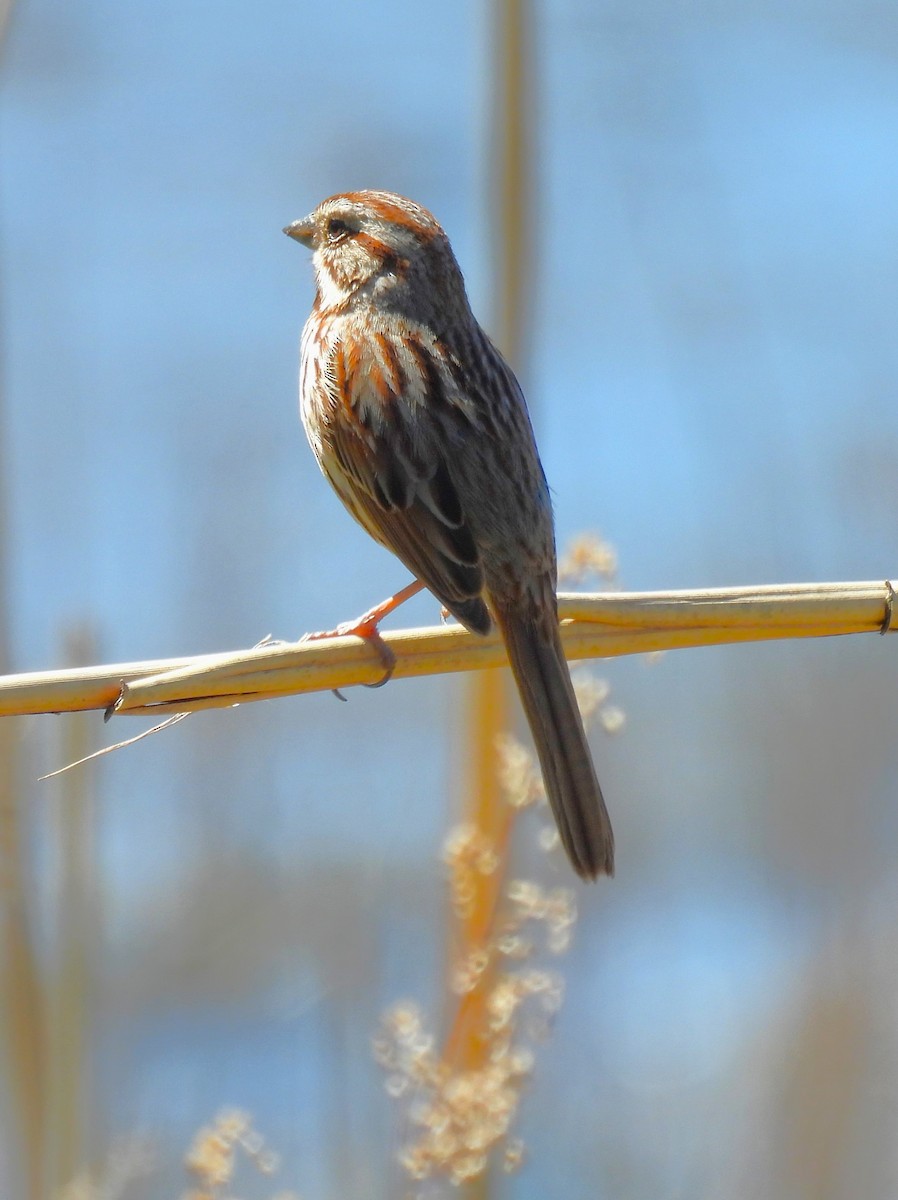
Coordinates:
(547, 694)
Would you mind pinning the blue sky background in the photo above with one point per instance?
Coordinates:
(713, 375)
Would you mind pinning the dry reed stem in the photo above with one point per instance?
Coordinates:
(461, 1101)
(490, 820)
(68, 1008)
(21, 994)
(595, 626)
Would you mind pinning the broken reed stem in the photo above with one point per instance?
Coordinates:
(595, 626)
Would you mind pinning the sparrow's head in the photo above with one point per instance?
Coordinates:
(380, 246)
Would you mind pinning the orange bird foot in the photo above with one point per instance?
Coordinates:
(366, 626)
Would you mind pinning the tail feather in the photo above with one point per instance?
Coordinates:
(547, 694)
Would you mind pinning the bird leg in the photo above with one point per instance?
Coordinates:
(366, 626)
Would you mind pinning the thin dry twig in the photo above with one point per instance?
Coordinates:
(138, 737)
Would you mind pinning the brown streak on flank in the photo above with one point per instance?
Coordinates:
(382, 385)
(353, 359)
(343, 379)
(390, 356)
(454, 367)
(434, 392)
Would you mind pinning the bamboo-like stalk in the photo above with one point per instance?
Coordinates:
(467, 1046)
(593, 626)
(67, 1081)
(21, 995)
(484, 808)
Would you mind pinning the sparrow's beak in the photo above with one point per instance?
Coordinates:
(303, 231)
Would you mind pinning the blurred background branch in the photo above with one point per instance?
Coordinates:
(483, 808)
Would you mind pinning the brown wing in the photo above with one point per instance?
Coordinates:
(385, 456)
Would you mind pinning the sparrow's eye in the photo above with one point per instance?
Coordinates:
(337, 229)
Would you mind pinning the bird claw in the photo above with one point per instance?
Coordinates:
(371, 633)
(364, 627)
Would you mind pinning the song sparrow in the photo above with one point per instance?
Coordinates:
(422, 429)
